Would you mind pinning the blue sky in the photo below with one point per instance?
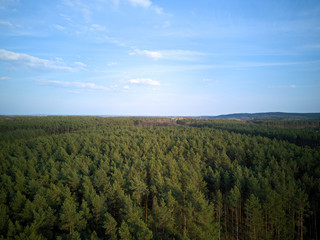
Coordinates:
(152, 57)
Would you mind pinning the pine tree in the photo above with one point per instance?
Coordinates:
(124, 232)
(235, 204)
(254, 218)
(110, 226)
(70, 218)
(219, 210)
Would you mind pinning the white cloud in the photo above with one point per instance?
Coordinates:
(75, 85)
(6, 23)
(80, 7)
(157, 9)
(146, 4)
(141, 3)
(292, 86)
(59, 27)
(80, 65)
(67, 18)
(33, 62)
(113, 40)
(184, 55)
(98, 28)
(152, 54)
(126, 87)
(144, 81)
(165, 25)
(4, 78)
(112, 64)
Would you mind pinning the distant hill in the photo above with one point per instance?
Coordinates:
(269, 115)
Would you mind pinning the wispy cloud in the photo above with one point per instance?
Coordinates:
(312, 47)
(152, 54)
(157, 9)
(5, 4)
(284, 86)
(4, 78)
(146, 4)
(6, 23)
(165, 25)
(111, 64)
(207, 80)
(179, 55)
(97, 28)
(67, 18)
(141, 3)
(184, 55)
(79, 7)
(210, 80)
(59, 27)
(270, 64)
(35, 62)
(74, 85)
(170, 68)
(251, 65)
(144, 81)
(80, 65)
(96, 32)
(112, 40)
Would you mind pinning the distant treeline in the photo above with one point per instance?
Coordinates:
(157, 178)
(300, 132)
(270, 115)
(287, 123)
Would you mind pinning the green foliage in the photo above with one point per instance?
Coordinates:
(110, 226)
(70, 218)
(124, 232)
(254, 217)
(158, 178)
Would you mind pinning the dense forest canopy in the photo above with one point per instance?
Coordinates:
(158, 178)
(270, 115)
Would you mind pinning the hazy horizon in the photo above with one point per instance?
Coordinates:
(159, 58)
(151, 116)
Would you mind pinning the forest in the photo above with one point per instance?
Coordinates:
(158, 178)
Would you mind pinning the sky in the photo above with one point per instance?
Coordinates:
(159, 58)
